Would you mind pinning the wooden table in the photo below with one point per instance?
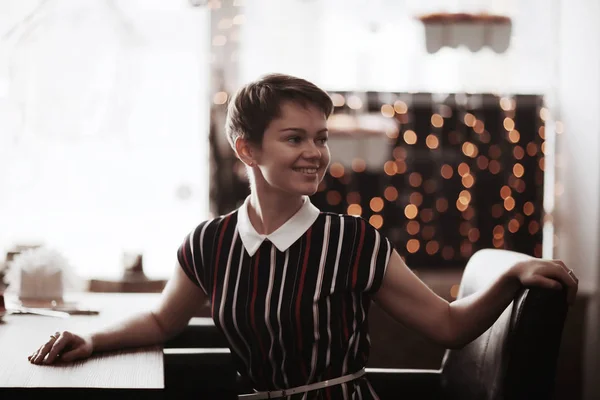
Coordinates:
(137, 372)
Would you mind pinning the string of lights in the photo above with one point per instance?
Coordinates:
(463, 174)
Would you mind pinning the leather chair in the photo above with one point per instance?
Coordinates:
(514, 359)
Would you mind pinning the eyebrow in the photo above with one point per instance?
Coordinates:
(300, 130)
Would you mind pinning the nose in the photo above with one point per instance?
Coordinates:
(312, 151)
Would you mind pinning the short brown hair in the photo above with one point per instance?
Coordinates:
(253, 107)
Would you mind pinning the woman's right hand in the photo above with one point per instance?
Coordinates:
(64, 346)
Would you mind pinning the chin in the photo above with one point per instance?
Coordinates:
(310, 192)
(300, 187)
(306, 190)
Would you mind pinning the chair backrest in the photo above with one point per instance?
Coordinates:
(516, 358)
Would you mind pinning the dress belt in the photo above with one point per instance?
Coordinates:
(274, 394)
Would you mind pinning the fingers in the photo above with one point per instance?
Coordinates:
(567, 269)
(57, 348)
(52, 349)
(565, 275)
(40, 354)
(34, 355)
(571, 281)
(561, 264)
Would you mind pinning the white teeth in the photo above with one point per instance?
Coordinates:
(306, 170)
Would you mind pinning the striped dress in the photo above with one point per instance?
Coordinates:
(294, 304)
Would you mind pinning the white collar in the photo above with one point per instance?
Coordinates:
(284, 236)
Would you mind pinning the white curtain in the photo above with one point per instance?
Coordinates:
(103, 128)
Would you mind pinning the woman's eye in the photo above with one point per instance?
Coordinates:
(323, 140)
(294, 139)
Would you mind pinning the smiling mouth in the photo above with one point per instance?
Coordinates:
(306, 171)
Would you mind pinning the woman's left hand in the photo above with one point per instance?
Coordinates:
(551, 274)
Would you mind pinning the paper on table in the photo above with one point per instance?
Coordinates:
(72, 308)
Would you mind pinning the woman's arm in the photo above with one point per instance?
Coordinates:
(409, 301)
(179, 301)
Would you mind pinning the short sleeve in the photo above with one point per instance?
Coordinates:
(190, 255)
(372, 255)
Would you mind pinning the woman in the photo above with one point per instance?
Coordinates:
(290, 286)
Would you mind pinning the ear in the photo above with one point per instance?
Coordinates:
(244, 151)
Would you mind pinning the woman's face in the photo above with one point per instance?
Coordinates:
(294, 154)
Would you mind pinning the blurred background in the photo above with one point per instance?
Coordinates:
(458, 125)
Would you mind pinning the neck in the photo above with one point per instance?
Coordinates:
(267, 212)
